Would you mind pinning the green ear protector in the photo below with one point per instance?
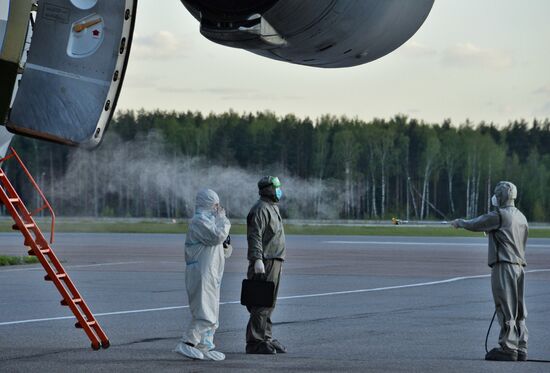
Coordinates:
(275, 181)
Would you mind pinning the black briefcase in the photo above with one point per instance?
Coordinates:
(258, 293)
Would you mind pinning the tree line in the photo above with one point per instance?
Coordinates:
(152, 163)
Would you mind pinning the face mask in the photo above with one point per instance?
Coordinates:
(494, 201)
(278, 193)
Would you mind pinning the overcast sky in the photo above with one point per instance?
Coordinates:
(478, 59)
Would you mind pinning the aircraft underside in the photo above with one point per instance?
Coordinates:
(63, 61)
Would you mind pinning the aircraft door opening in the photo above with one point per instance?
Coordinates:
(73, 75)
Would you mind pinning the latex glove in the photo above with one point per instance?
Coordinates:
(227, 251)
(259, 266)
(221, 212)
(456, 223)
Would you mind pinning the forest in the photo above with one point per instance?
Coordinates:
(152, 163)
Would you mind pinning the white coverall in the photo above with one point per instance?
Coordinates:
(204, 256)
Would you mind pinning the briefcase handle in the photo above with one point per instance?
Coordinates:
(259, 277)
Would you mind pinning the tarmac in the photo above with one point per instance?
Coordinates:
(346, 303)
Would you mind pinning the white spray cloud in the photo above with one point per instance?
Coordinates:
(141, 178)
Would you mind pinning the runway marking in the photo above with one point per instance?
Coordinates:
(303, 296)
(417, 243)
(71, 267)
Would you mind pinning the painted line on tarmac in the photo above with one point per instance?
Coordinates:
(416, 243)
(303, 296)
(104, 314)
(71, 266)
(449, 280)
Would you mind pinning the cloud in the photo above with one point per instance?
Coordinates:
(471, 55)
(544, 110)
(260, 96)
(162, 44)
(544, 90)
(415, 49)
(506, 109)
(224, 93)
(212, 91)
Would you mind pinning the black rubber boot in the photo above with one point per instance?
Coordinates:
(499, 354)
(262, 348)
(279, 347)
(522, 355)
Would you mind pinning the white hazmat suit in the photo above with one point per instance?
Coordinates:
(205, 260)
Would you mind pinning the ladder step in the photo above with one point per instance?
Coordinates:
(43, 251)
(90, 323)
(28, 226)
(14, 200)
(59, 276)
(75, 300)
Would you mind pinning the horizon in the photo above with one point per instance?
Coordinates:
(314, 120)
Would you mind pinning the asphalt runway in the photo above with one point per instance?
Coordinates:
(380, 304)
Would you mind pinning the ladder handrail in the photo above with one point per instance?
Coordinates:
(39, 247)
(36, 187)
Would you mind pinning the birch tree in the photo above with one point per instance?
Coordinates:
(429, 161)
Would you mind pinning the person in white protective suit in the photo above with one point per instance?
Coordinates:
(206, 249)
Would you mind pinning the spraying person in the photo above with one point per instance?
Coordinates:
(507, 230)
(266, 253)
(205, 254)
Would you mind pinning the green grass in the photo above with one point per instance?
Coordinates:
(99, 226)
(122, 226)
(17, 260)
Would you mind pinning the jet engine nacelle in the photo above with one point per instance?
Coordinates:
(321, 33)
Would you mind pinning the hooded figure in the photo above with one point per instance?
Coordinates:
(205, 258)
(507, 229)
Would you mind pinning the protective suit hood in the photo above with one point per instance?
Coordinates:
(205, 201)
(505, 193)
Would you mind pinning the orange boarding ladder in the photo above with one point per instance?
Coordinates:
(42, 249)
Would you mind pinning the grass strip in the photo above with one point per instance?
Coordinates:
(99, 226)
(17, 260)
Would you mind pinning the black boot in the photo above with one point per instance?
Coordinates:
(522, 355)
(262, 348)
(281, 349)
(500, 354)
